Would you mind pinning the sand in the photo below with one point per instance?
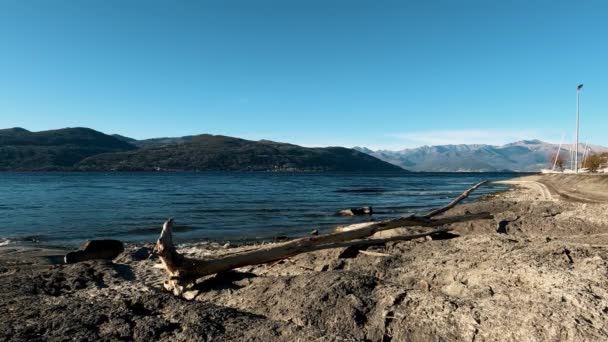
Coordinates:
(545, 279)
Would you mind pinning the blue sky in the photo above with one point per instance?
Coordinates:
(381, 74)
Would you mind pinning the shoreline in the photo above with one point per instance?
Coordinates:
(27, 249)
(542, 279)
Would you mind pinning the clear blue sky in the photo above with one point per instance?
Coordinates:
(369, 73)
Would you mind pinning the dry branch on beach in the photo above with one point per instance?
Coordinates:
(184, 271)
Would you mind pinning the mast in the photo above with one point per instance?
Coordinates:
(578, 91)
(585, 153)
(559, 150)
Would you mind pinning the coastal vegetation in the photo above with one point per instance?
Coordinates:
(84, 149)
(221, 153)
(54, 150)
(595, 162)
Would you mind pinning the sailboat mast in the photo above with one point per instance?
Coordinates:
(585, 153)
(559, 150)
(578, 90)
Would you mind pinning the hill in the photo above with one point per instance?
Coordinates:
(158, 142)
(522, 156)
(221, 153)
(61, 149)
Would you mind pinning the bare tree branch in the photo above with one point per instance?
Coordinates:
(455, 201)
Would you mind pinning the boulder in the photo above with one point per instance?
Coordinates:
(356, 211)
(95, 249)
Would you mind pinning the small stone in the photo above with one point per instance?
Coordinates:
(314, 232)
(356, 211)
(227, 245)
(190, 295)
(424, 285)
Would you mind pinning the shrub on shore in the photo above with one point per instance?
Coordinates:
(596, 161)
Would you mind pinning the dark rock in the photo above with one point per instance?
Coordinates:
(142, 253)
(96, 249)
(502, 227)
(322, 268)
(356, 211)
(350, 252)
(443, 236)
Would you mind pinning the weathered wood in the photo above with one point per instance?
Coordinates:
(455, 201)
(184, 271)
(376, 254)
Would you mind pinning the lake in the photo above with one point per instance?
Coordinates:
(64, 209)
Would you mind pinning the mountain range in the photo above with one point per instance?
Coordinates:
(520, 156)
(84, 149)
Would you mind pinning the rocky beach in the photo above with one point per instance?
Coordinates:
(536, 272)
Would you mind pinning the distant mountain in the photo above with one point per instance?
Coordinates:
(61, 149)
(85, 149)
(157, 142)
(154, 142)
(222, 153)
(523, 156)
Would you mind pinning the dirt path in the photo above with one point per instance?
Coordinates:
(576, 188)
(542, 190)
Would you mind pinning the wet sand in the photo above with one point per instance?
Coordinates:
(545, 277)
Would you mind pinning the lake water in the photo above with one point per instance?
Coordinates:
(63, 209)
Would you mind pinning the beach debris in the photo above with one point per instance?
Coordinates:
(357, 211)
(455, 201)
(376, 254)
(95, 249)
(183, 271)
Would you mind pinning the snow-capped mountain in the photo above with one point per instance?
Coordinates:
(525, 155)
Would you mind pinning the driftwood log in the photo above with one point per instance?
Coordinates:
(184, 271)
